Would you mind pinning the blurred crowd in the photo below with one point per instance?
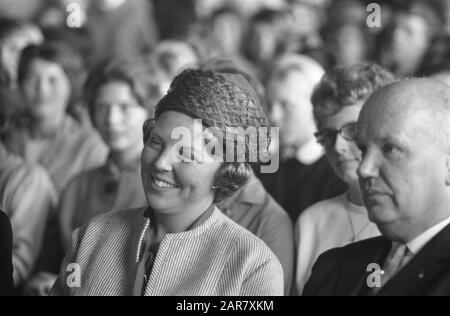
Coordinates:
(80, 77)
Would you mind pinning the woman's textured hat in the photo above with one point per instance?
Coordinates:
(222, 101)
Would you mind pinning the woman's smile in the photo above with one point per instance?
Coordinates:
(160, 184)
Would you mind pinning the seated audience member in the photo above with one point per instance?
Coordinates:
(437, 61)
(53, 138)
(404, 135)
(305, 176)
(227, 27)
(348, 43)
(120, 100)
(181, 244)
(120, 28)
(27, 195)
(406, 40)
(263, 40)
(333, 223)
(254, 209)
(14, 38)
(6, 267)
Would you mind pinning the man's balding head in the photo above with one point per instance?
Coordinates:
(424, 101)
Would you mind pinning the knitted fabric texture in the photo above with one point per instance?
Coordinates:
(221, 101)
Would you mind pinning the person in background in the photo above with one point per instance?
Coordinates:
(334, 223)
(253, 208)
(120, 28)
(227, 26)
(121, 97)
(263, 41)
(6, 267)
(27, 195)
(53, 138)
(182, 244)
(14, 38)
(348, 43)
(305, 176)
(405, 41)
(119, 94)
(404, 173)
(437, 61)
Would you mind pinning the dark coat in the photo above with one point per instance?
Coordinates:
(343, 271)
(6, 267)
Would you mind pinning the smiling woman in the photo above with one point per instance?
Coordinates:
(181, 244)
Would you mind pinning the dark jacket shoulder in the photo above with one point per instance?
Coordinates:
(6, 268)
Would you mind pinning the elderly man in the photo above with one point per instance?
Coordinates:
(404, 136)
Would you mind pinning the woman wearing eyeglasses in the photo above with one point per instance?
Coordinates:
(334, 223)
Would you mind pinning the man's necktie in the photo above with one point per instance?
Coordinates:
(394, 263)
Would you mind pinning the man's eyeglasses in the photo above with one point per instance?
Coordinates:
(327, 137)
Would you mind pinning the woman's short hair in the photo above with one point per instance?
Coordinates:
(54, 52)
(142, 79)
(60, 54)
(347, 86)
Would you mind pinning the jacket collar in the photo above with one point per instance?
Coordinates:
(356, 272)
(425, 266)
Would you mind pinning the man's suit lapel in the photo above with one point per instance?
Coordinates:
(424, 267)
(353, 278)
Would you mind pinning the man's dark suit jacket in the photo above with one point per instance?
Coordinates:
(343, 271)
(6, 268)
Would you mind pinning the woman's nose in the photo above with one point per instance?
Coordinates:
(113, 115)
(341, 146)
(164, 162)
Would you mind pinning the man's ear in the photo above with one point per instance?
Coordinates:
(447, 171)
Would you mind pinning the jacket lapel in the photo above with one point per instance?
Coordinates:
(424, 267)
(354, 275)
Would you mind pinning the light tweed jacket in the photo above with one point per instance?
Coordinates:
(219, 258)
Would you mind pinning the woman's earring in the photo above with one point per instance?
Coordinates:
(214, 187)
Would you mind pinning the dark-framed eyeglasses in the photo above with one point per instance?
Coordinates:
(327, 137)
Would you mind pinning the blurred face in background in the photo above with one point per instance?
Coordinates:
(291, 109)
(228, 31)
(263, 42)
(348, 45)
(410, 40)
(342, 152)
(47, 89)
(119, 117)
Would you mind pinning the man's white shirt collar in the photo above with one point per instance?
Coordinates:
(417, 244)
